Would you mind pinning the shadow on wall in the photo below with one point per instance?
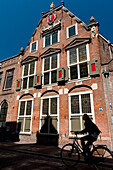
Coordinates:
(10, 132)
(48, 134)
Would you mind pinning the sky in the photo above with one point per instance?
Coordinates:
(19, 18)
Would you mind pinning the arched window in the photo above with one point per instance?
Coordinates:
(3, 111)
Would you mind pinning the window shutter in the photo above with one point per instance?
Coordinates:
(94, 67)
(38, 80)
(66, 73)
(60, 74)
(18, 84)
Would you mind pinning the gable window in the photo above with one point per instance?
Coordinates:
(51, 38)
(80, 103)
(71, 31)
(49, 115)
(25, 115)
(34, 47)
(9, 79)
(28, 75)
(78, 59)
(0, 77)
(50, 65)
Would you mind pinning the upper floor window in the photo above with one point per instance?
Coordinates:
(51, 38)
(9, 79)
(0, 77)
(50, 65)
(71, 31)
(34, 46)
(28, 75)
(78, 59)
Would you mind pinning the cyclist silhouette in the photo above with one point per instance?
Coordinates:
(93, 132)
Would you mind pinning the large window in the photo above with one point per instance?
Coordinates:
(28, 75)
(25, 115)
(49, 115)
(3, 112)
(9, 79)
(52, 38)
(78, 59)
(71, 31)
(0, 77)
(79, 104)
(50, 65)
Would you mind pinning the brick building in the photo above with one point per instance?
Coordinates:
(64, 72)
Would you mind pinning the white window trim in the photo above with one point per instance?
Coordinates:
(51, 39)
(49, 71)
(49, 97)
(28, 76)
(6, 79)
(24, 115)
(76, 30)
(78, 63)
(69, 104)
(36, 46)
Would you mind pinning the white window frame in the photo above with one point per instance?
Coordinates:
(28, 75)
(49, 97)
(25, 116)
(36, 46)
(51, 39)
(50, 70)
(76, 30)
(11, 70)
(78, 63)
(80, 114)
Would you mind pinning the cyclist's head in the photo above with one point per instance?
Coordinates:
(86, 117)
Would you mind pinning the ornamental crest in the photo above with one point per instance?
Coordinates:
(51, 18)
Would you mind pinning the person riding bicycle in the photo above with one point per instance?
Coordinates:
(93, 132)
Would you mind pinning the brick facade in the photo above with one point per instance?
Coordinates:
(97, 49)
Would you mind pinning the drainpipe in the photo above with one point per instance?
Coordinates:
(109, 44)
(106, 75)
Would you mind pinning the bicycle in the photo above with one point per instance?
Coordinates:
(98, 154)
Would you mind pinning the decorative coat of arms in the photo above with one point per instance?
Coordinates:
(51, 18)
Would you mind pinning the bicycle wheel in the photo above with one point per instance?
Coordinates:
(102, 155)
(70, 155)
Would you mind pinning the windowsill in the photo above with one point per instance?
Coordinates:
(51, 45)
(33, 52)
(6, 89)
(49, 85)
(25, 133)
(79, 80)
(26, 90)
(68, 38)
(50, 134)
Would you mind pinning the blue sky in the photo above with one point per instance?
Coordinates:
(19, 18)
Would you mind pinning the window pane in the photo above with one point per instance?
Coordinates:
(47, 40)
(53, 106)
(44, 125)
(25, 83)
(46, 63)
(22, 108)
(3, 112)
(54, 76)
(86, 105)
(27, 124)
(8, 82)
(0, 77)
(75, 104)
(55, 37)
(72, 31)
(33, 47)
(75, 124)
(73, 72)
(46, 78)
(31, 81)
(73, 56)
(54, 61)
(32, 67)
(21, 120)
(82, 53)
(45, 107)
(29, 107)
(53, 125)
(83, 70)
(26, 70)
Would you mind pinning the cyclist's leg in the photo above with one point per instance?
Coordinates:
(83, 139)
